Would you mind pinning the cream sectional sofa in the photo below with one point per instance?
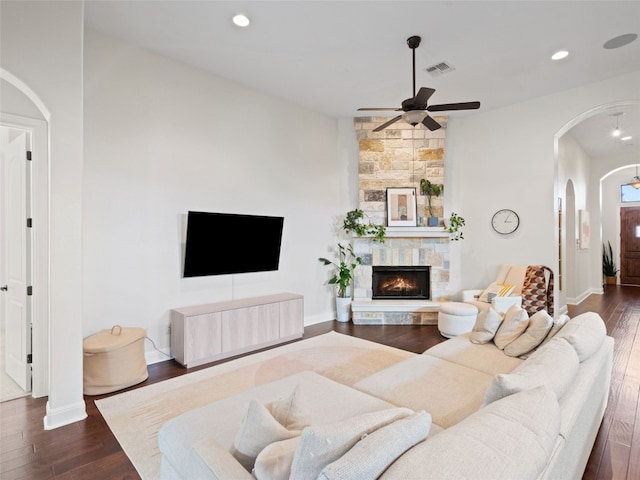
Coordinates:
(491, 416)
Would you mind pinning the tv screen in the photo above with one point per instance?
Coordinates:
(224, 243)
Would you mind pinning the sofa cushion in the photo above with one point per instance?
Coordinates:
(258, 429)
(321, 445)
(510, 439)
(486, 358)
(514, 324)
(555, 366)
(585, 333)
(274, 461)
(486, 326)
(539, 325)
(448, 391)
(327, 401)
(375, 452)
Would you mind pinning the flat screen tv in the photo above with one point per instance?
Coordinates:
(225, 243)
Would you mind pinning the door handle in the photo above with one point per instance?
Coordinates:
(4, 289)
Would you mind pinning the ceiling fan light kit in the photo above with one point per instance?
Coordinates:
(415, 108)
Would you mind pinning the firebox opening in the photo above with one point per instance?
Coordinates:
(401, 283)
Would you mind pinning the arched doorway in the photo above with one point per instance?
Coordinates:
(39, 129)
(585, 175)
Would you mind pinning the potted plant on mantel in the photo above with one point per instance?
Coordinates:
(431, 190)
(342, 276)
(609, 268)
(354, 222)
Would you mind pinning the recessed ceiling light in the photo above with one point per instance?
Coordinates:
(627, 138)
(620, 41)
(559, 55)
(241, 20)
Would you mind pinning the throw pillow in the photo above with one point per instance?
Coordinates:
(289, 411)
(274, 461)
(486, 326)
(555, 366)
(558, 323)
(514, 324)
(539, 325)
(258, 429)
(585, 333)
(375, 452)
(321, 445)
(496, 290)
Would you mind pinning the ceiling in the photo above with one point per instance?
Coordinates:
(336, 56)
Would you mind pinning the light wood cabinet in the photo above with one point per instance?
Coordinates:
(206, 333)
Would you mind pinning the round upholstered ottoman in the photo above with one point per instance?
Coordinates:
(455, 318)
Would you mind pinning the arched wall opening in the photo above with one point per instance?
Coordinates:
(39, 129)
(582, 276)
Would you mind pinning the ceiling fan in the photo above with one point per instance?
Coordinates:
(415, 108)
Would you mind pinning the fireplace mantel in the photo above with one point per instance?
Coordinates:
(415, 232)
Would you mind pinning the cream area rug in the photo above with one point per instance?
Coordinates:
(135, 417)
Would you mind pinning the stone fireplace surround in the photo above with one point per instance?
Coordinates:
(404, 246)
(399, 156)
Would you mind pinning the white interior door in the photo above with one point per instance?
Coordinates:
(15, 255)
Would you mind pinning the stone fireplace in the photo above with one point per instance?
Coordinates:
(400, 283)
(399, 156)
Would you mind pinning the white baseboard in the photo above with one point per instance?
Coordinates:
(583, 296)
(59, 417)
(157, 356)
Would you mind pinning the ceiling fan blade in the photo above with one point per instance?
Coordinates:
(381, 108)
(386, 124)
(454, 106)
(424, 94)
(430, 123)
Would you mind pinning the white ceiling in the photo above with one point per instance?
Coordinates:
(336, 56)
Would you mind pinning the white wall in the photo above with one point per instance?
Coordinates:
(574, 165)
(41, 45)
(505, 158)
(162, 138)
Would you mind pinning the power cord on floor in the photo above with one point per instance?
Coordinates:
(157, 349)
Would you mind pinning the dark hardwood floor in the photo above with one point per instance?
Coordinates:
(88, 449)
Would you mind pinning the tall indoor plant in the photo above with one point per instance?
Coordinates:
(431, 190)
(609, 268)
(342, 276)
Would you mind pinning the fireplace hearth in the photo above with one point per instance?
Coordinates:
(401, 283)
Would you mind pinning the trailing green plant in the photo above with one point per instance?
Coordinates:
(430, 190)
(343, 268)
(355, 222)
(456, 222)
(609, 268)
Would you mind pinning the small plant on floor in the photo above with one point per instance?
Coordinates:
(354, 222)
(609, 268)
(456, 222)
(343, 268)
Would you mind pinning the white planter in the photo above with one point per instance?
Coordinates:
(343, 309)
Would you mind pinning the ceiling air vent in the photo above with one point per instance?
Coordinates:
(439, 69)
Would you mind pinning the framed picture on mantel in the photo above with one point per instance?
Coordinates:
(401, 207)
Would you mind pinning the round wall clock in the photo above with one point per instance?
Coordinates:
(505, 221)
